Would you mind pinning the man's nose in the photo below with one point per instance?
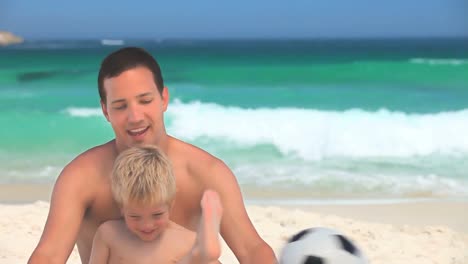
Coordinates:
(134, 114)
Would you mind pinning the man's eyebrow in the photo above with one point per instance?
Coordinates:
(144, 94)
(118, 101)
(138, 96)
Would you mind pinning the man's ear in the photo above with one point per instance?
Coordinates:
(104, 110)
(165, 97)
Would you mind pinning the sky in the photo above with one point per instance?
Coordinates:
(150, 19)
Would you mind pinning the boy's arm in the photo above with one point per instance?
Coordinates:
(100, 250)
(69, 201)
(236, 227)
(207, 247)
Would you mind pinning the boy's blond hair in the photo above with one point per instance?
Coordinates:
(143, 175)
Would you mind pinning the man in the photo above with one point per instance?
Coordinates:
(133, 100)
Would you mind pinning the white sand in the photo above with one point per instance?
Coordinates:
(383, 243)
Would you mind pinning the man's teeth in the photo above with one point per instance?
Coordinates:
(138, 130)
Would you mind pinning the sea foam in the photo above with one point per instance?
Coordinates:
(315, 134)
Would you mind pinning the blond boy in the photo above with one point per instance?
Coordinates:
(144, 187)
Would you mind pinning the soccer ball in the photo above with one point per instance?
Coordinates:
(321, 246)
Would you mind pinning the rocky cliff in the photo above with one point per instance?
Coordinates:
(7, 38)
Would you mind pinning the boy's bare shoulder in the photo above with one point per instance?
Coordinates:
(112, 226)
(111, 229)
(176, 232)
(178, 229)
(179, 240)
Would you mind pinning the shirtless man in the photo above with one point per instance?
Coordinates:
(133, 100)
(143, 185)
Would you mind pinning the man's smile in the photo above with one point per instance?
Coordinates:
(137, 131)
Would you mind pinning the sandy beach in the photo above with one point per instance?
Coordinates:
(412, 232)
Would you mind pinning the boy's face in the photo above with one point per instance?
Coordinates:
(147, 222)
(135, 108)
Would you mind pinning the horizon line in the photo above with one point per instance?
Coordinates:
(250, 38)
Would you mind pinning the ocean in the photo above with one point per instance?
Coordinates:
(296, 120)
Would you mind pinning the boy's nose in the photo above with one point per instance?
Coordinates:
(147, 226)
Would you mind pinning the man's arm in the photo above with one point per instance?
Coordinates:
(100, 250)
(69, 201)
(236, 227)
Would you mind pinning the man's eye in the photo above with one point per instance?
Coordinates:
(120, 107)
(146, 101)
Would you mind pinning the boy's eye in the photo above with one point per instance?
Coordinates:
(134, 217)
(146, 101)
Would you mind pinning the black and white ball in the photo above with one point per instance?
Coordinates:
(321, 246)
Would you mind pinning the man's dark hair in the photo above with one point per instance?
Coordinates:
(125, 59)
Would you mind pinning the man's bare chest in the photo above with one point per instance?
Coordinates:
(186, 208)
(103, 208)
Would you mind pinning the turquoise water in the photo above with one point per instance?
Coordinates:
(381, 118)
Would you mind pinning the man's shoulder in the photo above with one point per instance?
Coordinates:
(87, 170)
(93, 159)
(198, 162)
(192, 155)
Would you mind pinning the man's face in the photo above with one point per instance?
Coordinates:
(135, 108)
(146, 222)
